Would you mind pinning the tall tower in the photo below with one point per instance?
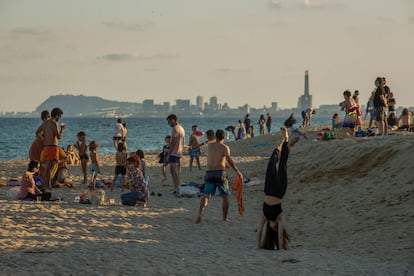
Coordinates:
(305, 100)
(306, 84)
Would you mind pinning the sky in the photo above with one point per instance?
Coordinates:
(242, 51)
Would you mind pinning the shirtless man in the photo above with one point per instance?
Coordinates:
(175, 151)
(52, 135)
(218, 156)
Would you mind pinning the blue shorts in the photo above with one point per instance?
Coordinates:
(174, 159)
(210, 188)
(195, 153)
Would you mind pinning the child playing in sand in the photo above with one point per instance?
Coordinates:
(120, 168)
(82, 147)
(276, 236)
(163, 156)
(139, 192)
(294, 132)
(94, 167)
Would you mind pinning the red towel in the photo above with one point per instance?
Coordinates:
(238, 187)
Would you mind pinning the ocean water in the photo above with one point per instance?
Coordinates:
(17, 134)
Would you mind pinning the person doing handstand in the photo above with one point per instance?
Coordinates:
(276, 236)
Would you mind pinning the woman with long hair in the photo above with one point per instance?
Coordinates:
(275, 234)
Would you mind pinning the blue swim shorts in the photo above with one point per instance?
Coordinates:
(194, 153)
(210, 188)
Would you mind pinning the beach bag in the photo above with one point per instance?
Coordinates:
(130, 198)
(161, 156)
(187, 191)
(13, 193)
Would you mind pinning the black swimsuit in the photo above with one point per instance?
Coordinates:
(276, 182)
(271, 211)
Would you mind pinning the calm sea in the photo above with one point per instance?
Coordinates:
(17, 134)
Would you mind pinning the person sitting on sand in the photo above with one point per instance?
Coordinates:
(276, 236)
(218, 157)
(405, 119)
(73, 157)
(28, 188)
(336, 122)
(294, 132)
(139, 192)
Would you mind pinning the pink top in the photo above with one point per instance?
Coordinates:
(27, 185)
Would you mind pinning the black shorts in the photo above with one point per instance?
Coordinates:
(120, 170)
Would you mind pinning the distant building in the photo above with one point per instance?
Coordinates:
(305, 101)
(199, 103)
(182, 106)
(148, 105)
(213, 106)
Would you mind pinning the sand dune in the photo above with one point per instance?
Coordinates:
(349, 208)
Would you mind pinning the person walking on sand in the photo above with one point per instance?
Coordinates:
(175, 152)
(51, 135)
(218, 157)
(276, 236)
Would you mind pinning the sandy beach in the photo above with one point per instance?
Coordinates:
(349, 208)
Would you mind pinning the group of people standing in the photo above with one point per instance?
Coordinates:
(245, 128)
(380, 108)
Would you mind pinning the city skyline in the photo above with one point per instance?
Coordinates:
(242, 51)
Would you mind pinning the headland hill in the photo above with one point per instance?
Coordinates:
(93, 106)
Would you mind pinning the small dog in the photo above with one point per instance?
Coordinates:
(96, 197)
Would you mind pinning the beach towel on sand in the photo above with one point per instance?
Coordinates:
(238, 187)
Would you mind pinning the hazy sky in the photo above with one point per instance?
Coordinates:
(242, 51)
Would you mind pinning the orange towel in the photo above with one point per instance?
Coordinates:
(238, 187)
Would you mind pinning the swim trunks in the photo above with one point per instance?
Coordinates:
(210, 188)
(51, 152)
(174, 159)
(84, 157)
(120, 170)
(195, 153)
